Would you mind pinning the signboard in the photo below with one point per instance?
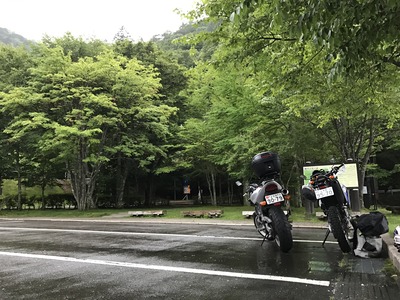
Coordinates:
(186, 190)
(347, 175)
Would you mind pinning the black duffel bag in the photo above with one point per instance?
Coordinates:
(372, 224)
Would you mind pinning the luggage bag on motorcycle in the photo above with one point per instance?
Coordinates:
(266, 164)
(368, 242)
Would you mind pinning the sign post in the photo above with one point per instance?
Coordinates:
(186, 192)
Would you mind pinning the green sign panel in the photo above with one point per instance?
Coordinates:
(347, 175)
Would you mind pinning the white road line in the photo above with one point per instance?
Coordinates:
(170, 269)
(150, 234)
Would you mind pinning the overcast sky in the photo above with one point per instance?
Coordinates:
(100, 19)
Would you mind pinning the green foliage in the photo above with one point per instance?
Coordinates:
(80, 97)
(291, 68)
(257, 75)
(357, 34)
(10, 188)
(14, 67)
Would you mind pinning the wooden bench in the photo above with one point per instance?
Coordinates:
(154, 213)
(321, 215)
(202, 213)
(248, 213)
(394, 209)
(181, 202)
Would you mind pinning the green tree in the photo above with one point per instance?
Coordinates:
(170, 103)
(81, 105)
(290, 70)
(14, 74)
(358, 35)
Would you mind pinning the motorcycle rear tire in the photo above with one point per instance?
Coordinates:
(282, 229)
(337, 229)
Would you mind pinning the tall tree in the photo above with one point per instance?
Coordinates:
(294, 63)
(80, 105)
(14, 74)
(172, 81)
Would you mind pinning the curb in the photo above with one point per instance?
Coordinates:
(390, 250)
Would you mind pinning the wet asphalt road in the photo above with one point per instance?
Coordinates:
(84, 260)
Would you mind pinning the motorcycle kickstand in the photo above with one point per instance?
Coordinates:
(328, 231)
(265, 236)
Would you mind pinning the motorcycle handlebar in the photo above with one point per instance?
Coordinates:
(336, 169)
(322, 175)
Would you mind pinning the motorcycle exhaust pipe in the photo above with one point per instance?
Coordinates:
(285, 192)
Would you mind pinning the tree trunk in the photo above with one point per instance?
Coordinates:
(83, 180)
(122, 174)
(211, 187)
(246, 201)
(19, 181)
(220, 189)
(230, 192)
(200, 194)
(43, 187)
(148, 192)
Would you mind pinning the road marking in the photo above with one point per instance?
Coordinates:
(150, 234)
(170, 269)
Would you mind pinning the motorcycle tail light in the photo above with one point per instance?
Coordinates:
(331, 177)
(271, 187)
(263, 203)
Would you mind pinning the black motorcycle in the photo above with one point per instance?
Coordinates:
(268, 197)
(325, 186)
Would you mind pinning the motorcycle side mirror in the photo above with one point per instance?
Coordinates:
(238, 183)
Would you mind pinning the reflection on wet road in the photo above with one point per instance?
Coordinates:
(81, 260)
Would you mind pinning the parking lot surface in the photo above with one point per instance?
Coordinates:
(109, 259)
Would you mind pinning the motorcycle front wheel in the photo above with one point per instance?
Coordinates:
(334, 220)
(282, 228)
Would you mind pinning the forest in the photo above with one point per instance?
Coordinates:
(130, 123)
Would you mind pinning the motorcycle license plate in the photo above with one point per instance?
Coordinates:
(324, 193)
(274, 198)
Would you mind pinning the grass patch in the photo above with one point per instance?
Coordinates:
(229, 213)
(56, 213)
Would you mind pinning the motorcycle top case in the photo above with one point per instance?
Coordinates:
(266, 164)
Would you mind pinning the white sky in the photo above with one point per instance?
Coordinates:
(100, 19)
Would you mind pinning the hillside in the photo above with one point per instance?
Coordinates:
(10, 38)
